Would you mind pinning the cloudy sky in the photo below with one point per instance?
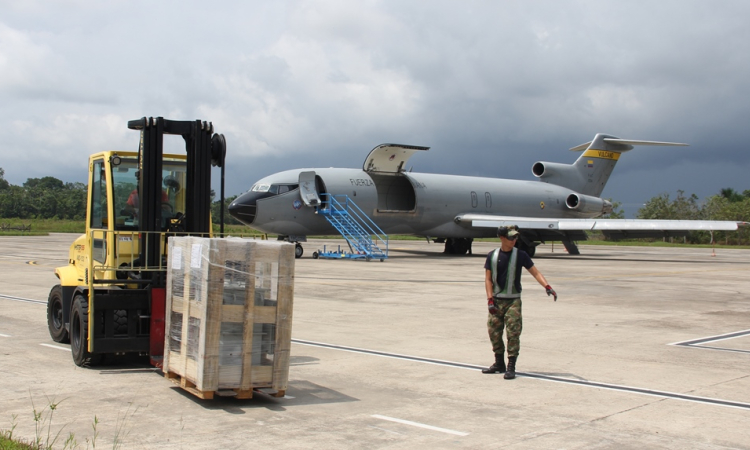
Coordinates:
(490, 86)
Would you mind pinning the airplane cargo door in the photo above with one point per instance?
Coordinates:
(307, 189)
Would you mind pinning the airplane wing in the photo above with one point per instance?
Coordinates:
(389, 158)
(552, 229)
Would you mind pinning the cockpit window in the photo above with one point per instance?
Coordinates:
(274, 188)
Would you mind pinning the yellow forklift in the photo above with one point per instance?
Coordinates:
(111, 297)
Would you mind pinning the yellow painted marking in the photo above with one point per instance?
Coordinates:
(32, 263)
(602, 154)
(17, 263)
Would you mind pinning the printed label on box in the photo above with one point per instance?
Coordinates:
(176, 258)
(195, 257)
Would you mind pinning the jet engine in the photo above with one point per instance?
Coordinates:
(543, 169)
(587, 204)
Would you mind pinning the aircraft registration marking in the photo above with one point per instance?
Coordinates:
(603, 154)
(361, 182)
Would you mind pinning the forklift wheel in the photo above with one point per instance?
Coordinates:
(79, 332)
(57, 330)
(315, 255)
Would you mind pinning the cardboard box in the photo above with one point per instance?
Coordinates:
(229, 315)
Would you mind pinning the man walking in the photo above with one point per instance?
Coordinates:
(502, 281)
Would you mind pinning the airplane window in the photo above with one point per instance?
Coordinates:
(261, 188)
(274, 189)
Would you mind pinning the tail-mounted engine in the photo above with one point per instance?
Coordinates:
(587, 204)
(566, 175)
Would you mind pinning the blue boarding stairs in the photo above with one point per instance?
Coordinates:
(366, 240)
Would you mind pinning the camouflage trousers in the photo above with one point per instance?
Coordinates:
(508, 317)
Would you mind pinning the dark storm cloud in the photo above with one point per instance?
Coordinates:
(492, 87)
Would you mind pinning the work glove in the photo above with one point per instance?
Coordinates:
(491, 306)
(550, 291)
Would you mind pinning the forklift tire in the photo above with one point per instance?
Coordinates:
(121, 321)
(79, 331)
(315, 255)
(298, 251)
(57, 330)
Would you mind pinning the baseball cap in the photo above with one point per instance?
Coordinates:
(511, 231)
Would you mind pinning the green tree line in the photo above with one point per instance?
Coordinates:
(42, 198)
(727, 205)
(50, 198)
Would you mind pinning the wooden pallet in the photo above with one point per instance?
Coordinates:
(241, 394)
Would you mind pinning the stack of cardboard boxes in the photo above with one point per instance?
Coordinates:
(229, 315)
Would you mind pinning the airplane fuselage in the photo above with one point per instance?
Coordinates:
(405, 203)
(563, 204)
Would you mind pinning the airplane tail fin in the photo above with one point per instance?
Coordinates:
(589, 173)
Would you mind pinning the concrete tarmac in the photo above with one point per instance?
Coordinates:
(645, 348)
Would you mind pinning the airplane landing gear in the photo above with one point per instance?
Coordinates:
(298, 250)
(458, 246)
(526, 245)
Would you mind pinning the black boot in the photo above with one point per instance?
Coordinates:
(498, 367)
(511, 372)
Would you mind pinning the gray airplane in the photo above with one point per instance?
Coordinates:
(457, 209)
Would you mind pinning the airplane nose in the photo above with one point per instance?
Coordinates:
(244, 207)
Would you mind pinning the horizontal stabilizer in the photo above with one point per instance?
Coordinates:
(632, 142)
(617, 144)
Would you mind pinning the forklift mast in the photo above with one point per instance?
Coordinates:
(204, 149)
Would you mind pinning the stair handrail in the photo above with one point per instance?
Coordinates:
(331, 204)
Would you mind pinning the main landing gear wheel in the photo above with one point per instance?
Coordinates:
(79, 332)
(458, 246)
(57, 330)
(528, 248)
(298, 251)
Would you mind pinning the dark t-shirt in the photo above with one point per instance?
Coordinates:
(523, 260)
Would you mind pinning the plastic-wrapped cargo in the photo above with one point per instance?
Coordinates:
(229, 315)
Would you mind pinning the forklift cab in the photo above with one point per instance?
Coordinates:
(126, 196)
